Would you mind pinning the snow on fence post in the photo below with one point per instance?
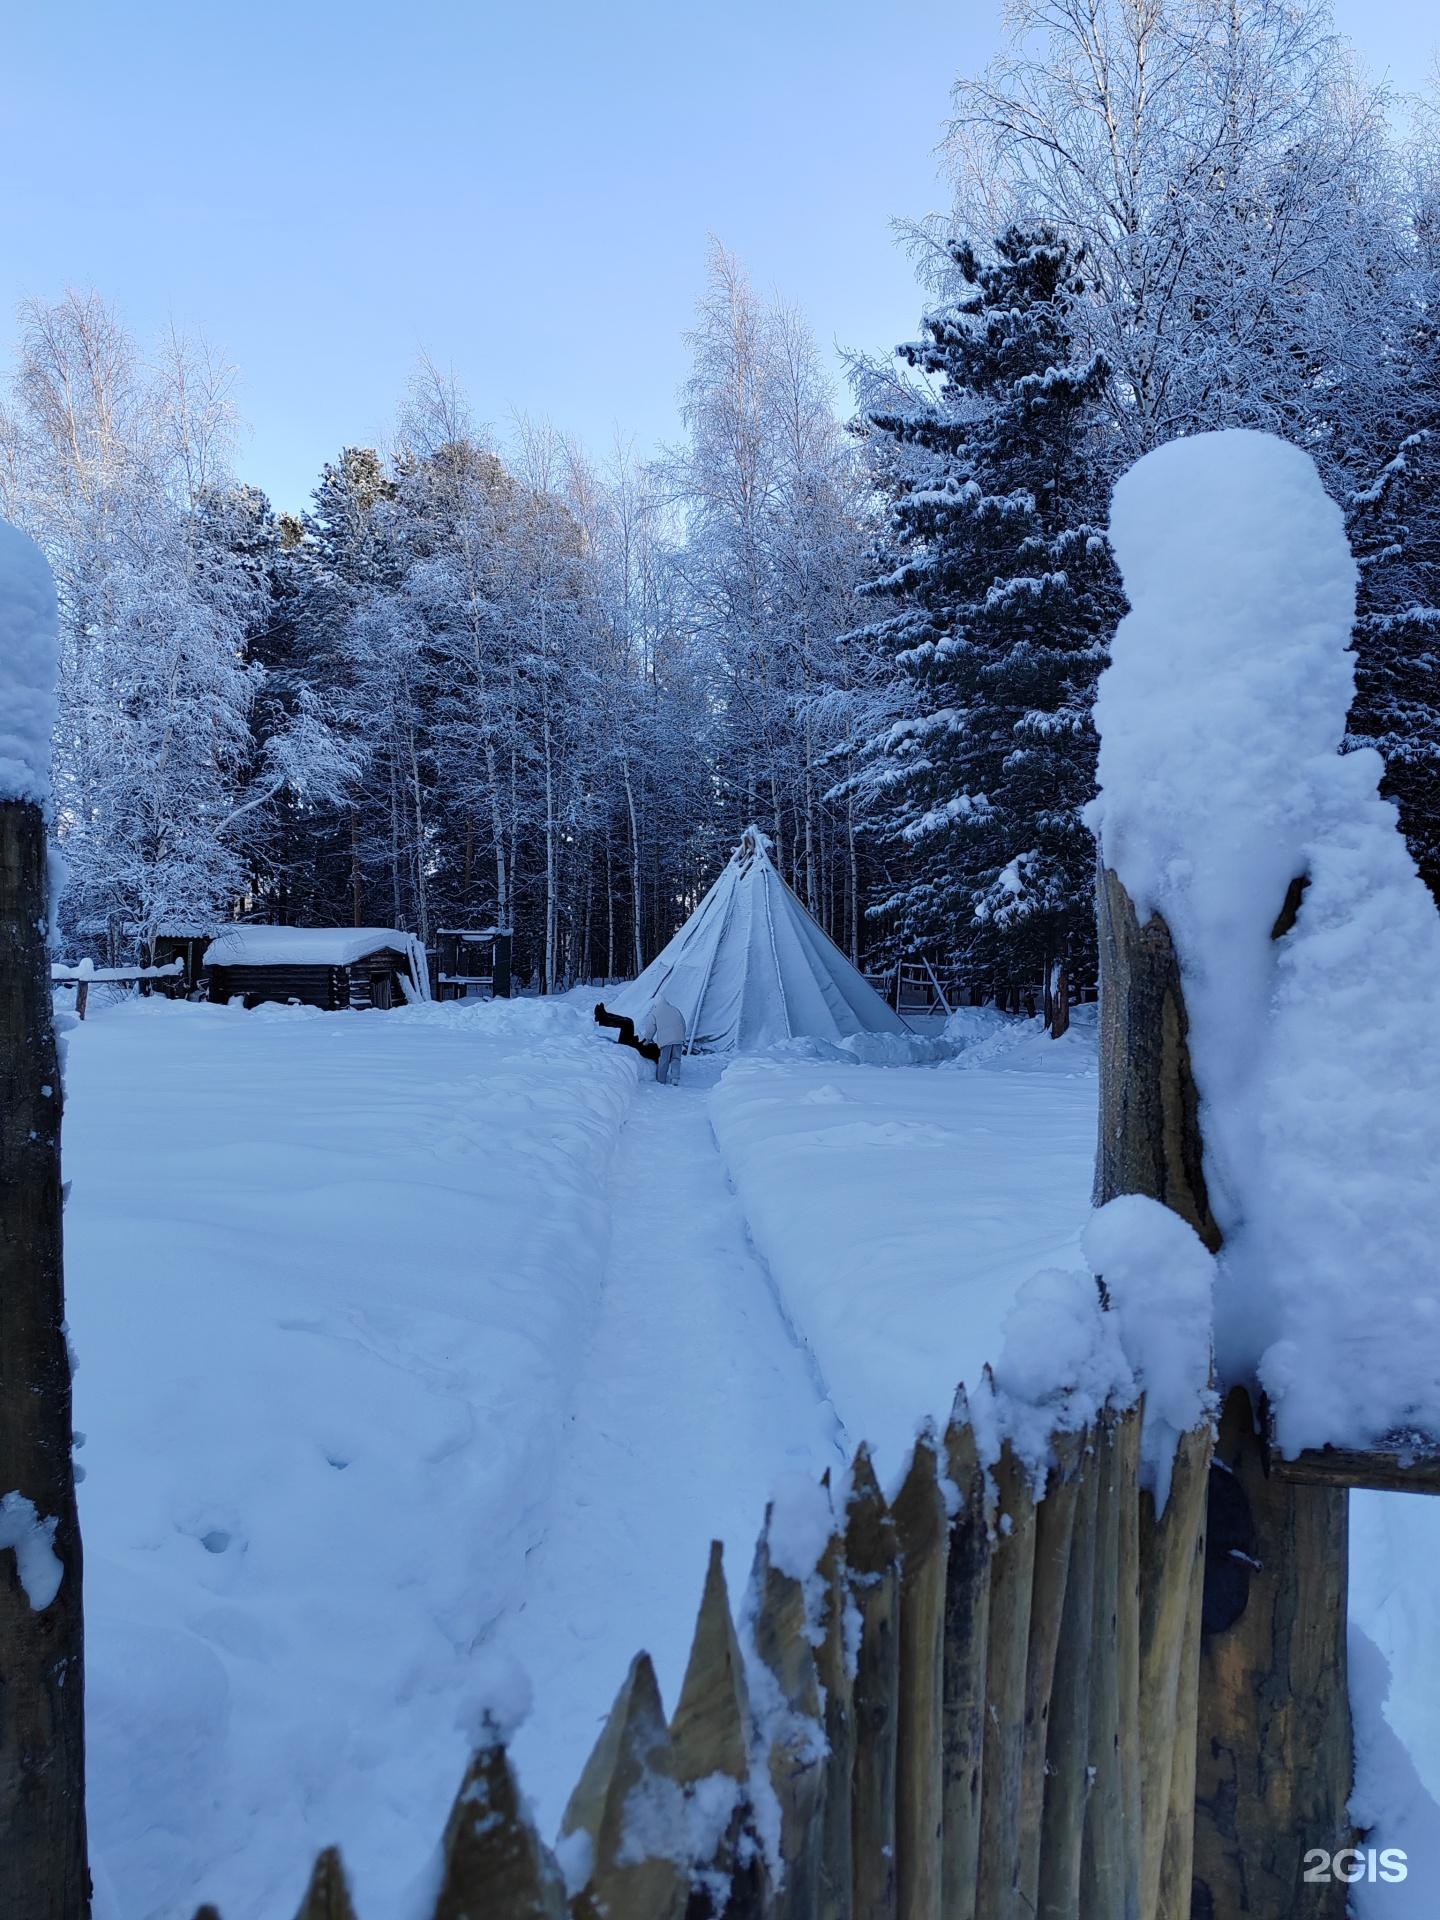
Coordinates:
(43, 1873)
(1223, 796)
(710, 1733)
(493, 1860)
(623, 1836)
(789, 1712)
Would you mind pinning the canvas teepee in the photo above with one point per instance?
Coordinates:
(750, 967)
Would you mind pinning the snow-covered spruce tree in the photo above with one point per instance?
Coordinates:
(1395, 530)
(1394, 526)
(1007, 595)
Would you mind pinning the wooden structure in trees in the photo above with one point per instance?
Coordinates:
(43, 1873)
(327, 967)
(186, 944)
(473, 964)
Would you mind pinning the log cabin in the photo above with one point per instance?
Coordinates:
(329, 967)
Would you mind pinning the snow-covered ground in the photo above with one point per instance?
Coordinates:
(329, 1280)
(411, 1341)
(900, 1209)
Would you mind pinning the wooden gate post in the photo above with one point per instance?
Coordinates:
(1273, 1746)
(43, 1872)
(1274, 1758)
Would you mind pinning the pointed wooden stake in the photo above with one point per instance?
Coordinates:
(1011, 1578)
(832, 1667)
(1171, 1554)
(1067, 1754)
(1054, 1528)
(781, 1630)
(922, 1530)
(328, 1895)
(1110, 1880)
(207, 1912)
(1177, 1859)
(967, 1612)
(495, 1865)
(707, 1733)
(629, 1805)
(871, 1555)
(708, 1737)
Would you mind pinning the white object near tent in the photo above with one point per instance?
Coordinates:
(750, 968)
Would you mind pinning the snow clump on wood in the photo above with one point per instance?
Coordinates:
(1314, 1034)
(33, 1540)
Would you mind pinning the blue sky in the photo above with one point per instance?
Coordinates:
(525, 192)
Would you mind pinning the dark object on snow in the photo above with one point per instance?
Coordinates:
(645, 1048)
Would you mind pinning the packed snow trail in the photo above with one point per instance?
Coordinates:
(693, 1397)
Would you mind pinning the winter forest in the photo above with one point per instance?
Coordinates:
(493, 676)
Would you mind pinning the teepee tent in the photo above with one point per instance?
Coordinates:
(750, 968)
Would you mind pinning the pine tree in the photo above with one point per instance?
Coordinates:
(1007, 596)
(1394, 527)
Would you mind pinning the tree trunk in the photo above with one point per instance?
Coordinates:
(42, 1684)
(355, 866)
(634, 868)
(552, 912)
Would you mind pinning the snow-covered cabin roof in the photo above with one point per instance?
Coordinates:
(313, 947)
(750, 967)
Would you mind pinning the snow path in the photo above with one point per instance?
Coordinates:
(693, 1397)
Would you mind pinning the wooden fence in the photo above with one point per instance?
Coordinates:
(981, 1706)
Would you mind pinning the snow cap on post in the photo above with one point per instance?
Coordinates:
(29, 667)
(1309, 946)
(1220, 719)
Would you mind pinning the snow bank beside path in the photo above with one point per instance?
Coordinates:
(329, 1278)
(901, 1209)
